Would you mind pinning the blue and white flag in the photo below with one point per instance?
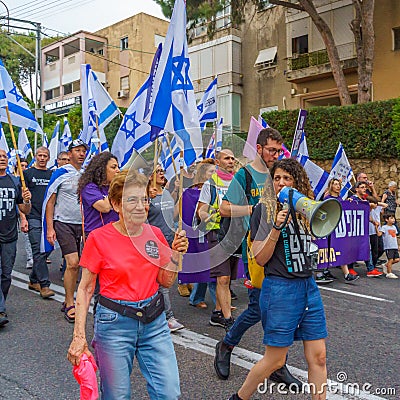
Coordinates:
(134, 132)
(23, 144)
(92, 151)
(263, 122)
(53, 147)
(208, 104)
(302, 152)
(96, 104)
(341, 169)
(213, 147)
(66, 137)
(3, 141)
(45, 141)
(173, 104)
(10, 96)
(166, 159)
(59, 176)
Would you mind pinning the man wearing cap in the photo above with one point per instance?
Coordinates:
(64, 220)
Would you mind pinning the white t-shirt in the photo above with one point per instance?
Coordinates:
(205, 194)
(375, 215)
(389, 237)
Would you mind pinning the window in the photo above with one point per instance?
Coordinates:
(68, 88)
(266, 57)
(101, 52)
(124, 83)
(52, 93)
(300, 45)
(124, 43)
(396, 38)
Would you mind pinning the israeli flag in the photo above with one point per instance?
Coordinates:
(166, 159)
(23, 143)
(134, 132)
(10, 96)
(341, 169)
(45, 141)
(96, 104)
(213, 147)
(208, 104)
(302, 153)
(92, 151)
(173, 104)
(59, 176)
(53, 147)
(3, 141)
(66, 137)
(263, 122)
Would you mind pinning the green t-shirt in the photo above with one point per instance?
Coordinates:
(236, 195)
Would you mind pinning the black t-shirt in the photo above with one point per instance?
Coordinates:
(37, 181)
(10, 196)
(288, 259)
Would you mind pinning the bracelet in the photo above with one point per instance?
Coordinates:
(26, 202)
(174, 262)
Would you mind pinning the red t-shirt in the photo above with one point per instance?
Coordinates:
(127, 266)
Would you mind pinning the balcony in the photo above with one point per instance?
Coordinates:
(316, 64)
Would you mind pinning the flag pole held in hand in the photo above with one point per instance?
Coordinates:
(21, 175)
(180, 204)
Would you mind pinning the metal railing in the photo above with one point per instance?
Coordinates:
(320, 57)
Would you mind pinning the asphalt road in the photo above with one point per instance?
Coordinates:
(363, 344)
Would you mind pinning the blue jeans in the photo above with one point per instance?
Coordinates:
(167, 302)
(248, 318)
(198, 293)
(40, 270)
(119, 339)
(8, 252)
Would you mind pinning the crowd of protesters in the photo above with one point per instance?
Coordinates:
(126, 224)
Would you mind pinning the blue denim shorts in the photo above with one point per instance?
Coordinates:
(291, 309)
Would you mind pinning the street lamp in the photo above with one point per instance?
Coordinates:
(8, 15)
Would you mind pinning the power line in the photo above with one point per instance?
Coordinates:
(41, 9)
(27, 4)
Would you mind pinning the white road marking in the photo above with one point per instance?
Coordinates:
(364, 296)
(204, 344)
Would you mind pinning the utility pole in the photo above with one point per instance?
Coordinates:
(38, 60)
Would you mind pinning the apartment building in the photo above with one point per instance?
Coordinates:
(120, 55)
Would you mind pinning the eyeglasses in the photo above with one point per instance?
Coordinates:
(160, 171)
(134, 201)
(273, 151)
(63, 159)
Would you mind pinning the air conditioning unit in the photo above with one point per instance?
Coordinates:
(123, 94)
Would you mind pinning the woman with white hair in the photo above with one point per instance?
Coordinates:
(390, 198)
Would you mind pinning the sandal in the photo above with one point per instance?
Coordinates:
(62, 309)
(70, 318)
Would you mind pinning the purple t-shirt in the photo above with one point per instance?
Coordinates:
(93, 218)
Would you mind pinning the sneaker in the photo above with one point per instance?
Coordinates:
(3, 319)
(174, 325)
(380, 262)
(46, 292)
(233, 295)
(29, 264)
(374, 273)
(350, 278)
(352, 272)
(228, 323)
(222, 360)
(217, 319)
(328, 274)
(34, 286)
(391, 275)
(323, 280)
(183, 290)
(48, 261)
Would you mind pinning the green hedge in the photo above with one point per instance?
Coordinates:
(370, 130)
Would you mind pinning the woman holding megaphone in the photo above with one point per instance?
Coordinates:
(290, 302)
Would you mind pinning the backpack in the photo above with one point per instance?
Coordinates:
(232, 229)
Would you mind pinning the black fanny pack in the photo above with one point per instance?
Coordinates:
(145, 314)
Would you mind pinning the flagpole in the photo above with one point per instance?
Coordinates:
(155, 161)
(21, 175)
(98, 132)
(180, 205)
(170, 152)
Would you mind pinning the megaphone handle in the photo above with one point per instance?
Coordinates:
(288, 205)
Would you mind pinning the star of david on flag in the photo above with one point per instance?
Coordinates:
(173, 105)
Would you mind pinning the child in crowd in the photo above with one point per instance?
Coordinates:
(389, 232)
(376, 209)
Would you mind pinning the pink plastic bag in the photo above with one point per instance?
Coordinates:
(85, 374)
